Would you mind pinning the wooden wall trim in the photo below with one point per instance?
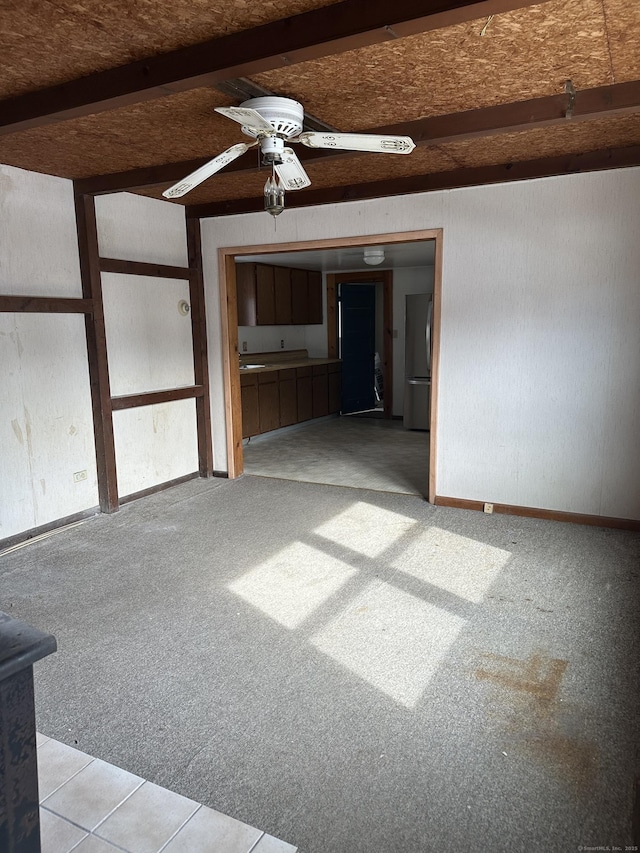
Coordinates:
(152, 398)
(160, 487)
(333, 243)
(545, 514)
(435, 364)
(45, 305)
(51, 526)
(230, 361)
(387, 343)
(97, 353)
(200, 350)
(117, 265)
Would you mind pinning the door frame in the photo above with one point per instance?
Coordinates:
(373, 277)
(229, 324)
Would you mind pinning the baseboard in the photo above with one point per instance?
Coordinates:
(224, 474)
(546, 514)
(152, 490)
(59, 523)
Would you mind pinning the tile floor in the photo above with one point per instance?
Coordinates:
(89, 806)
(364, 453)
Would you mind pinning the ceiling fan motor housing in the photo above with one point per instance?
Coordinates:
(285, 115)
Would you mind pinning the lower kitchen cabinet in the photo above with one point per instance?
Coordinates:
(268, 401)
(303, 391)
(320, 390)
(335, 388)
(288, 398)
(250, 411)
(279, 398)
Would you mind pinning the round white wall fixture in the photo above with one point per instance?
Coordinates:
(184, 307)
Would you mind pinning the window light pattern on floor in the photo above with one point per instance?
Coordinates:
(402, 594)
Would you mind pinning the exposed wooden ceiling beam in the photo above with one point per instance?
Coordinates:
(310, 35)
(545, 167)
(600, 102)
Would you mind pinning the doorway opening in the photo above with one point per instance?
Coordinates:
(364, 330)
(333, 278)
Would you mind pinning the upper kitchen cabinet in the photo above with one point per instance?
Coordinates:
(306, 297)
(282, 284)
(278, 296)
(256, 295)
(314, 286)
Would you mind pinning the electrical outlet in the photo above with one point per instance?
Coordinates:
(488, 508)
(79, 476)
(244, 346)
(281, 344)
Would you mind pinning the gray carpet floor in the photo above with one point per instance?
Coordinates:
(348, 670)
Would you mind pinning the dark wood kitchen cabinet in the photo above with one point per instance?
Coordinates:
(266, 298)
(320, 390)
(268, 401)
(334, 378)
(299, 297)
(255, 288)
(282, 287)
(303, 390)
(314, 298)
(280, 398)
(278, 296)
(288, 397)
(250, 411)
(306, 297)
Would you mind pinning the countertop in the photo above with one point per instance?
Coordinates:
(285, 364)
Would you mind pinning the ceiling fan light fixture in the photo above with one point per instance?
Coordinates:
(373, 255)
(273, 122)
(273, 195)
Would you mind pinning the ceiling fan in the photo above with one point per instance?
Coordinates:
(275, 122)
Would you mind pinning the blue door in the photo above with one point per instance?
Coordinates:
(358, 341)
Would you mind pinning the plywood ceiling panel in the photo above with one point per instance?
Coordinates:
(512, 57)
(178, 127)
(522, 54)
(50, 42)
(548, 142)
(622, 19)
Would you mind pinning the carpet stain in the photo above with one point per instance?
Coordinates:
(540, 725)
(538, 676)
(571, 759)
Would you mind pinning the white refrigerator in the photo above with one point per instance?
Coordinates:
(417, 360)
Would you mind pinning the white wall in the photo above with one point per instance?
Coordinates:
(46, 424)
(405, 280)
(148, 340)
(540, 350)
(267, 338)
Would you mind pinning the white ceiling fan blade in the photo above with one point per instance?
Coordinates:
(246, 116)
(290, 171)
(210, 168)
(358, 142)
